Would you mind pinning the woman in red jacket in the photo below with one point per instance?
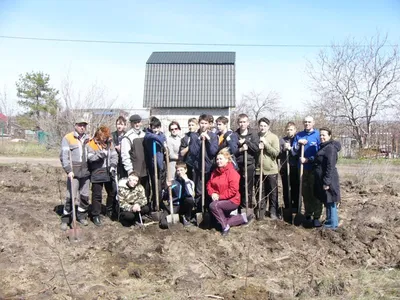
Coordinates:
(223, 188)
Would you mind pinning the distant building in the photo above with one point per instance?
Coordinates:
(181, 85)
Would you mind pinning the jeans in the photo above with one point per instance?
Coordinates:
(332, 219)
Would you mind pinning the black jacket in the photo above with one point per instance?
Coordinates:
(293, 159)
(251, 140)
(325, 172)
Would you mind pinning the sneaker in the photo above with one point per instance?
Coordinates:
(186, 223)
(96, 221)
(84, 222)
(64, 226)
(274, 217)
(316, 223)
(225, 232)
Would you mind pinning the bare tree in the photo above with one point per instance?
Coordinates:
(257, 105)
(356, 83)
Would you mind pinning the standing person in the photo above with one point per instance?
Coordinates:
(154, 135)
(102, 159)
(227, 138)
(117, 136)
(269, 142)
(223, 188)
(132, 200)
(248, 140)
(310, 140)
(195, 153)
(173, 143)
(73, 157)
(286, 148)
(327, 188)
(132, 152)
(193, 126)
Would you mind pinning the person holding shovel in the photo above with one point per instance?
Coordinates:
(73, 157)
(227, 138)
(327, 187)
(290, 178)
(132, 199)
(247, 147)
(269, 142)
(309, 139)
(223, 188)
(117, 136)
(193, 126)
(103, 160)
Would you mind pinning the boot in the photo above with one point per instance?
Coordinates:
(96, 220)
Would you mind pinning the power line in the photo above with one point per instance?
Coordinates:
(174, 43)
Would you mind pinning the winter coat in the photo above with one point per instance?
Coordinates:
(293, 159)
(251, 140)
(101, 160)
(225, 182)
(310, 149)
(181, 190)
(271, 152)
(129, 196)
(117, 141)
(75, 147)
(132, 152)
(325, 172)
(229, 140)
(149, 139)
(195, 151)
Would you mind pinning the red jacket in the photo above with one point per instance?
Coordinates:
(225, 182)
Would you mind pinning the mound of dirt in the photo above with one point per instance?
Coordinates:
(266, 260)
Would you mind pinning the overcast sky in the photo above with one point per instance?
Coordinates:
(120, 68)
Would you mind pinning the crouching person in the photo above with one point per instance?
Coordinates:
(132, 200)
(186, 193)
(223, 188)
(103, 160)
(74, 162)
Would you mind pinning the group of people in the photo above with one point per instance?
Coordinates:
(231, 174)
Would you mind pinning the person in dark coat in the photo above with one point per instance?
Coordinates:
(327, 188)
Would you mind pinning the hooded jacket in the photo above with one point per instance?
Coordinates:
(225, 182)
(129, 196)
(325, 172)
(149, 139)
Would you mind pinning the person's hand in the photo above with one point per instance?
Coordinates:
(287, 146)
(303, 160)
(136, 207)
(71, 175)
(204, 135)
(302, 141)
(261, 145)
(245, 147)
(242, 141)
(325, 187)
(214, 197)
(118, 148)
(169, 183)
(165, 145)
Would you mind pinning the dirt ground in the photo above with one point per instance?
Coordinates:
(266, 260)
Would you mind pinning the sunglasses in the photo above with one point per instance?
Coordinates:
(173, 129)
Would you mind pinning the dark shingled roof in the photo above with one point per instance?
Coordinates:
(190, 79)
(192, 58)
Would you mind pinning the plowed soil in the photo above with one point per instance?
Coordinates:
(265, 260)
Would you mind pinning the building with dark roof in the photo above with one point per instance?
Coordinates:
(181, 85)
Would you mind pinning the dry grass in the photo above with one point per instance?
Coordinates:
(30, 149)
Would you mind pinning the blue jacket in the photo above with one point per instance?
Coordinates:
(159, 140)
(195, 150)
(310, 149)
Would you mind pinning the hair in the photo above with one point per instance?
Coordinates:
(193, 120)
(102, 134)
(180, 164)
(121, 119)
(174, 123)
(327, 130)
(242, 116)
(224, 120)
(155, 122)
(225, 152)
(265, 120)
(133, 174)
(290, 123)
(309, 117)
(208, 118)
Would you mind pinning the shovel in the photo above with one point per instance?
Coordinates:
(203, 218)
(172, 218)
(156, 215)
(260, 214)
(73, 233)
(287, 212)
(299, 218)
(249, 211)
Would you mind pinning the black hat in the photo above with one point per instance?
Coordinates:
(135, 119)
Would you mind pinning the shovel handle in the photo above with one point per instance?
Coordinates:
(171, 205)
(203, 175)
(246, 188)
(156, 177)
(288, 180)
(261, 182)
(301, 180)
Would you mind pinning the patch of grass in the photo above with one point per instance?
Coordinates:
(29, 149)
(366, 161)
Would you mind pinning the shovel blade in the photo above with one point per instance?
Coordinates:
(173, 219)
(203, 220)
(156, 215)
(287, 215)
(74, 234)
